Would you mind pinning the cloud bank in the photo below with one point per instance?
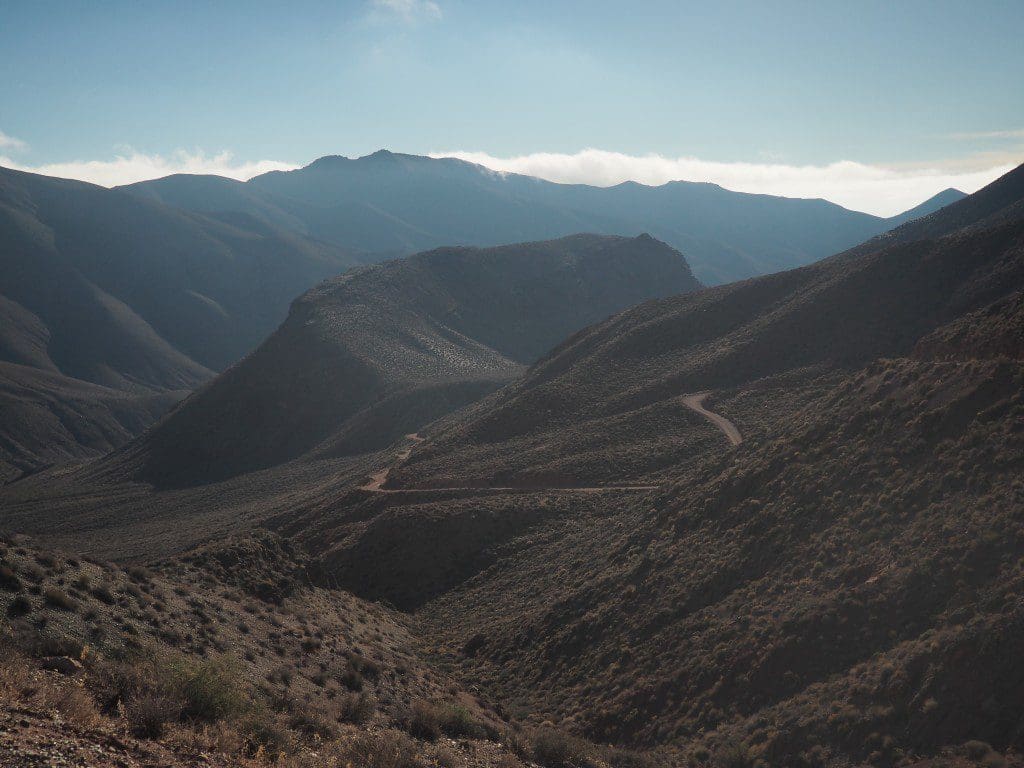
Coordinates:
(135, 166)
(877, 189)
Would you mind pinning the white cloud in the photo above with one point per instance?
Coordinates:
(409, 10)
(879, 189)
(135, 166)
(11, 143)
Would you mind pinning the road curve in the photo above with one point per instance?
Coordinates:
(375, 482)
(695, 402)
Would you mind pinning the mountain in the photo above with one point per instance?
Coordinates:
(929, 206)
(773, 522)
(879, 299)
(130, 296)
(369, 356)
(395, 204)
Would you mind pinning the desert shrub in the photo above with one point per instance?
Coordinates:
(308, 721)
(210, 690)
(149, 714)
(19, 606)
(46, 559)
(517, 743)
(138, 573)
(102, 593)
(626, 758)
(44, 642)
(81, 583)
(445, 757)
(15, 675)
(356, 708)
(113, 681)
(976, 749)
(78, 707)
(457, 721)
(423, 720)
(383, 749)
(58, 598)
(265, 734)
(9, 580)
(735, 754)
(351, 678)
(555, 749)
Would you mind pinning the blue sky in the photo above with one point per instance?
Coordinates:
(904, 96)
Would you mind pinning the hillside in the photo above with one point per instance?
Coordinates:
(226, 656)
(367, 357)
(837, 582)
(782, 333)
(396, 204)
(103, 288)
(842, 587)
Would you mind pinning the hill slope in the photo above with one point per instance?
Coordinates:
(821, 320)
(396, 204)
(378, 352)
(844, 586)
(104, 288)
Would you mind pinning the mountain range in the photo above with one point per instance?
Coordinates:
(393, 204)
(570, 490)
(117, 303)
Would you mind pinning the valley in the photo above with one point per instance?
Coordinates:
(578, 496)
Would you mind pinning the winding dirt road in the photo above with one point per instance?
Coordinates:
(694, 402)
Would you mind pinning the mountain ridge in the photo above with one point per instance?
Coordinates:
(391, 204)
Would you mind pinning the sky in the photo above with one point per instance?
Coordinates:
(874, 105)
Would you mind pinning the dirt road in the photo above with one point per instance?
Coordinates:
(378, 479)
(695, 402)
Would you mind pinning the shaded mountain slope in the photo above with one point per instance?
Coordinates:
(51, 419)
(378, 352)
(820, 320)
(109, 289)
(389, 203)
(929, 206)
